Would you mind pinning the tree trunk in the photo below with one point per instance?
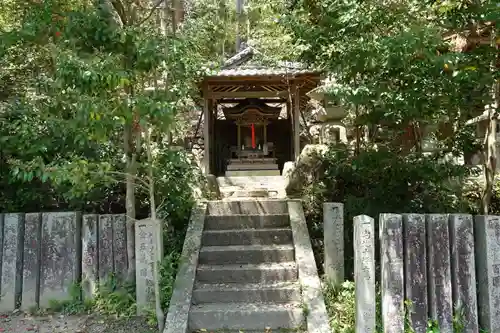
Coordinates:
(131, 172)
(490, 162)
(160, 316)
(357, 143)
(490, 148)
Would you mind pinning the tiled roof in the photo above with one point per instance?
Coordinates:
(259, 71)
(239, 66)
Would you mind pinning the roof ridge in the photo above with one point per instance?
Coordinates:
(241, 57)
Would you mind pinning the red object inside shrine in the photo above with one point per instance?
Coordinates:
(253, 136)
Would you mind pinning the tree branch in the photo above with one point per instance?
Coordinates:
(120, 9)
(155, 7)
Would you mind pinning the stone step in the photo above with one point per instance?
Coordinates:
(248, 207)
(252, 173)
(245, 316)
(271, 195)
(265, 236)
(262, 273)
(281, 292)
(295, 330)
(238, 222)
(243, 181)
(245, 254)
(252, 166)
(245, 193)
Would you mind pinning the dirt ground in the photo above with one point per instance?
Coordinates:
(21, 323)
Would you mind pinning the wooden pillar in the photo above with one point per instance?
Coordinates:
(239, 136)
(296, 122)
(212, 110)
(290, 120)
(206, 136)
(265, 132)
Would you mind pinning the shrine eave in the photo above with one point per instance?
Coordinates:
(261, 73)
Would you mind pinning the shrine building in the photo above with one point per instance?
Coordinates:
(252, 116)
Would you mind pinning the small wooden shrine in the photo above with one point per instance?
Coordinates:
(252, 116)
(253, 152)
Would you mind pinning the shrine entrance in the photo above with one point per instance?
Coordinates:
(254, 151)
(252, 117)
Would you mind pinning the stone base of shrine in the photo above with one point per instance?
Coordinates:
(252, 166)
(252, 173)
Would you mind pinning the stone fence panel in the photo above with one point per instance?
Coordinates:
(42, 255)
(429, 264)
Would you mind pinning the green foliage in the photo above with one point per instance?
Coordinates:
(62, 121)
(114, 297)
(392, 66)
(266, 33)
(416, 183)
(341, 306)
(173, 243)
(176, 178)
(472, 192)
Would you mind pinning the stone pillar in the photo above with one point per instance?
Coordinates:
(90, 257)
(364, 273)
(392, 280)
(61, 255)
(343, 134)
(487, 237)
(416, 270)
(333, 235)
(32, 260)
(11, 241)
(120, 258)
(463, 270)
(440, 293)
(105, 256)
(144, 261)
(1, 254)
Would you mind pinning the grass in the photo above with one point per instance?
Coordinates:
(112, 298)
(341, 307)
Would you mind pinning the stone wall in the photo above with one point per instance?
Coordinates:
(42, 255)
(441, 267)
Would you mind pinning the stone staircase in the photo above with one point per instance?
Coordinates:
(247, 276)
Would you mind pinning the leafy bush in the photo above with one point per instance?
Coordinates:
(380, 181)
(168, 270)
(176, 181)
(341, 306)
(473, 190)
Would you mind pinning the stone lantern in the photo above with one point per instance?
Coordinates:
(332, 127)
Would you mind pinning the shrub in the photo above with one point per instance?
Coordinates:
(176, 180)
(341, 306)
(380, 181)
